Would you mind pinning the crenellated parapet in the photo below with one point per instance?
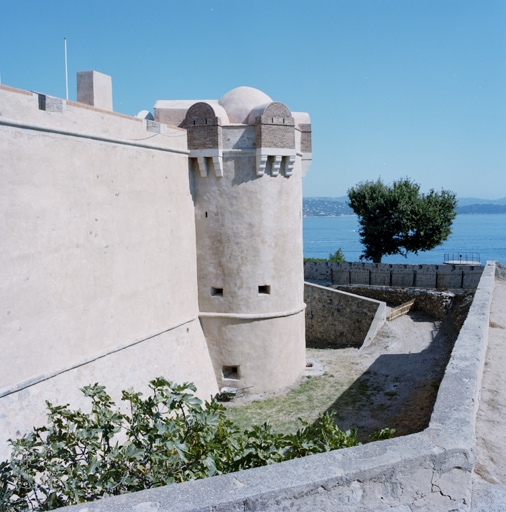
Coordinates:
(205, 138)
(243, 120)
(275, 140)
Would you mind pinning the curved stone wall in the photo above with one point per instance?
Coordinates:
(249, 260)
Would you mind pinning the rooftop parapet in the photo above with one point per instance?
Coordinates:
(276, 144)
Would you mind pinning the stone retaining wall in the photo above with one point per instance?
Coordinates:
(385, 274)
(434, 303)
(339, 319)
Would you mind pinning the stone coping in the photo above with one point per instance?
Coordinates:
(430, 470)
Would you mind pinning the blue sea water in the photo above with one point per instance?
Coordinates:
(484, 234)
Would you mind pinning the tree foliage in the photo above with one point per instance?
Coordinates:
(169, 436)
(398, 219)
(337, 257)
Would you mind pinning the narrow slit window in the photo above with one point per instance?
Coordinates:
(264, 289)
(206, 215)
(216, 292)
(42, 102)
(230, 372)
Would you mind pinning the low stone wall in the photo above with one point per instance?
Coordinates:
(339, 319)
(384, 274)
(430, 470)
(434, 303)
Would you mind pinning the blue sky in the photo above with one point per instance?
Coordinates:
(394, 87)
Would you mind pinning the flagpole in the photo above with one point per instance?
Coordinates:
(66, 72)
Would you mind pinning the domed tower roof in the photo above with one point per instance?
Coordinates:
(239, 102)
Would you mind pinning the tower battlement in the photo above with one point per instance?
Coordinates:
(247, 161)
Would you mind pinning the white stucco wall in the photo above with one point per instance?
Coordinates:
(98, 245)
(249, 234)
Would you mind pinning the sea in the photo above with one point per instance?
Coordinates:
(481, 234)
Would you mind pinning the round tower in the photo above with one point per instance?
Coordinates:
(246, 159)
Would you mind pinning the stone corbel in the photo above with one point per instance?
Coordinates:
(218, 166)
(281, 159)
(276, 164)
(261, 164)
(201, 162)
(290, 163)
(306, 159)
(214, 162)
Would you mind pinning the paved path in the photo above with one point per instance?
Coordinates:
(489, 488)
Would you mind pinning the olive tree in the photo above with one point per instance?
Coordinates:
(398, 219)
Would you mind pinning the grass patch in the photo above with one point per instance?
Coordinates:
(306, 400)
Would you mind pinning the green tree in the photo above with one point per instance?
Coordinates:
(398, 219)
(337, 257)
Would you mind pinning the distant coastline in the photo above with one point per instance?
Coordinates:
(337, 207)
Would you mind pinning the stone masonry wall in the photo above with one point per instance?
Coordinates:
(430, 470)
(203, 127)
(275, 128)
(98, 277)
(383, 274)
(338, 319)
(305, 138)
(434, 303)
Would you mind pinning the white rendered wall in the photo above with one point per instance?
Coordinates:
(98, 246)
(249, 234)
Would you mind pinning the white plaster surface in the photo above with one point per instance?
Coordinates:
(249, 234)
(239, 102)
(179, 355)
(428, 471)
(89, 258)
(107, 251)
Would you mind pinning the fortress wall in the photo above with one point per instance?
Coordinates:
(180, 355)
(261, 354)
(249, 259)
(385, 274)
(338, 319)
(98, 242)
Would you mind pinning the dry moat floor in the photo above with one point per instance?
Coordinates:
(391, 383)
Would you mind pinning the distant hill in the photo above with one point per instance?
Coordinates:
(482, 208)
(336, 206)
(325, 207)
(466, 201)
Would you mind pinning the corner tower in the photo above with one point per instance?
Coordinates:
(247, 163)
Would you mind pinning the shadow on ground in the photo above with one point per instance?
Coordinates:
(396, 391)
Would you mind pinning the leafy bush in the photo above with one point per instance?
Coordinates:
(169, 436)
(337, 257)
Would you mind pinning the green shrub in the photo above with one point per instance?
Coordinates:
(169, 436)
(337, 257)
